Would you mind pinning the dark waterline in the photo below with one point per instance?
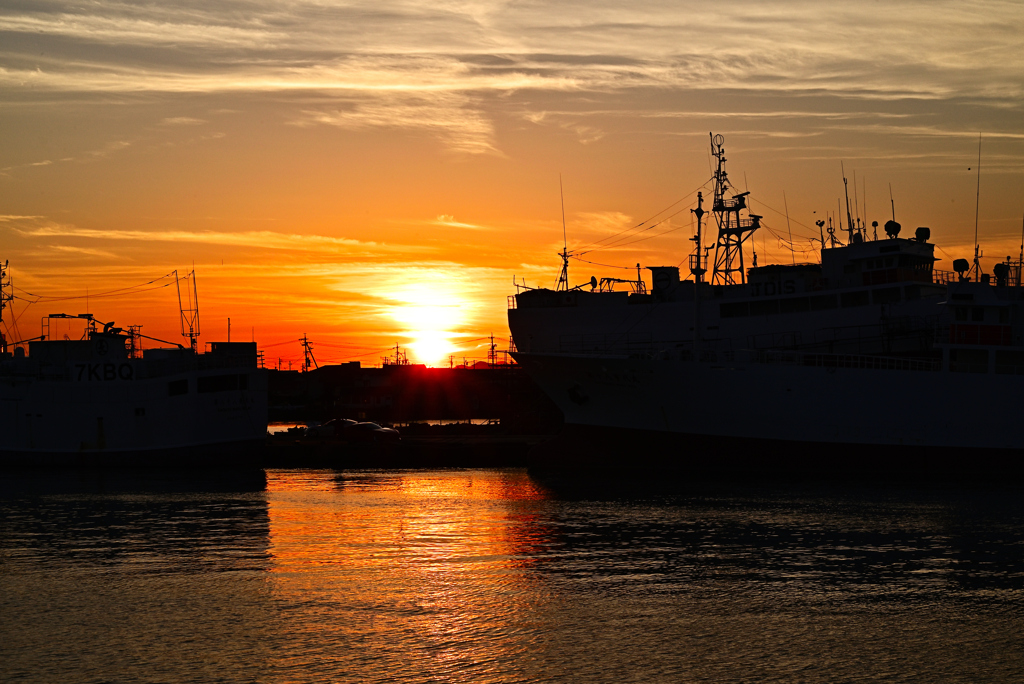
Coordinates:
(496, 576)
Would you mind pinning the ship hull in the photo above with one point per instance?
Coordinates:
(213, 417)
(739, 413)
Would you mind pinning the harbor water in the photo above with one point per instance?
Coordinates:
(498, 576)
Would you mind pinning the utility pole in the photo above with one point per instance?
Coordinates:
(307, 352)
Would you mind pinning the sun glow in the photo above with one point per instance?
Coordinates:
(431, 347)
(432, 316)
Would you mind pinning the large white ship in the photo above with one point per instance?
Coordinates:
(95, 400)
(871, 354)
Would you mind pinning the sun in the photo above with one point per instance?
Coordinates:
(431, 317)
(431, 347)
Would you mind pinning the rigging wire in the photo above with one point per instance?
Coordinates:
(622, 234)
(620, 243)
(594, 263)
(780, 213)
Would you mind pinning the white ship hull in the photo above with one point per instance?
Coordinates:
(43, 420)
(85, 402)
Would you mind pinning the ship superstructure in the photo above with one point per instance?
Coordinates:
(854, 350)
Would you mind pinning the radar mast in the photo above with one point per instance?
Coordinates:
(733, 229)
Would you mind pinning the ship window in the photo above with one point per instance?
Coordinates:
(968, 360)
(176, 387)
(222, 383)
(733, 309)
(764, 307)
(1010, 362)
(977, 313)
(793, 305)
(859, 298)
(886, 295)
(822, 302)
(1004, 315)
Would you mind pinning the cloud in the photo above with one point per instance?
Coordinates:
(861, 49)
(182, 121)
(72, 251)
(448, 221)
(271, 240)
(448, 116)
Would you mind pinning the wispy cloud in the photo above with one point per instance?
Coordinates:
(433, 67)
(263, 239)
(71, 252)
(449, 116)
(182, 121)
(448, 221)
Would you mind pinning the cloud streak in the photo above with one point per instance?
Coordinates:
(253, 239)
(410, 65)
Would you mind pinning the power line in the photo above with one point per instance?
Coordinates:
(131, 289)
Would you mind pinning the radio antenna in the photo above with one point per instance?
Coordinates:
(563, 278)
(892, 203)
(189, 313)
(792, 250)
(1020, 263)
(977, 204)
(846, 191)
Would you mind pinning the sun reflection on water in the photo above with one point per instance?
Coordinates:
(420, 564)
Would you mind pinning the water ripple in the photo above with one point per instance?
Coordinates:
(492, 576)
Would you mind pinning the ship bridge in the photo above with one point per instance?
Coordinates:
(879, 261)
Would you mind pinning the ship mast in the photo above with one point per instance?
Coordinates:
(563, 277)
(6, 296)
(698, 267)
(733, 230)
(849, 218)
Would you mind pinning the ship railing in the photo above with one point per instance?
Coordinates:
(511, 301)
(791, 358)
(943, 277)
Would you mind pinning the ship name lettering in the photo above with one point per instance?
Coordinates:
(105, 371)
(770, 289)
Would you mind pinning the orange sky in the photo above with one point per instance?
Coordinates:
(376, 174)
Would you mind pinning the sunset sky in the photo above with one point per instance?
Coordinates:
(376, 173)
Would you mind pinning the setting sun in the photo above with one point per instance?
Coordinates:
(432, 316)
